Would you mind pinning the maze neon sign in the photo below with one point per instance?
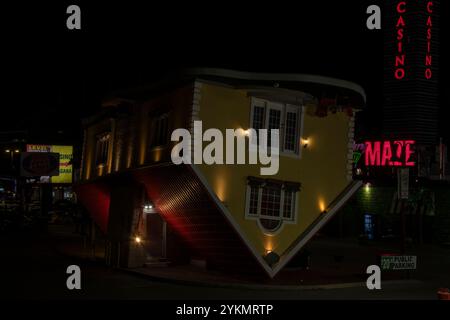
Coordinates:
(397, 153)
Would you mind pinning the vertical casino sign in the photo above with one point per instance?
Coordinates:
(409, 35)
(429, 28)
(411, 59)
(400, 56)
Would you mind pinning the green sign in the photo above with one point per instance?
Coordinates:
(398, 262)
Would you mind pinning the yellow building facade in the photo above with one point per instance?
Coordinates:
(273, 215)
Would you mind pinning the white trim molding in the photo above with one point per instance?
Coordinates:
(295, 77)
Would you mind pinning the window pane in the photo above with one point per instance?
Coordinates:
(258, 117)
(160, 131)
(274, 123)
(270, 202)
(257, 121)
(254, 193)
(291, 131)
(270, 225)
(287, 209)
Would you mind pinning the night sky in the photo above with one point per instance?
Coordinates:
(55, 76)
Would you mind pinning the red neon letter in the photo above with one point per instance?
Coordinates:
(400, 34)
(400, 60)
(400, 22)
(373, 154)
(429, 5)
(387, 153)
(399, 7)
(398, 153)
(408, 153)
(399, 73)
(428, 73)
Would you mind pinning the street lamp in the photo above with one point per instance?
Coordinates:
(11, 153)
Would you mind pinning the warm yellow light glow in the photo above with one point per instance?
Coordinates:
(88, 162)
(130, 154)
(137, 239)
(157, 155)
(367, 187)
(322, 206)
(143, 148)
(245, 132)
(268, 245)
(17, 151)
(220, 187)
(7, 150)
(100, 170)
(305, 142)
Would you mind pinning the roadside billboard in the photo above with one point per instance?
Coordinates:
(65, 160)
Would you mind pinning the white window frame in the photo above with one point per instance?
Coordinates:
(284, 108)
(280, 217)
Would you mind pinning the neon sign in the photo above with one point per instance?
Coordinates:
(429, 25)
(399, 72)
(402, 8)
(397, 153)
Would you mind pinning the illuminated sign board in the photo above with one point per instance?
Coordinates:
(65, 160)
(39, 164)
(429, 26)
(403, 9)
(391, 262)
(400, 26)
(396, 153)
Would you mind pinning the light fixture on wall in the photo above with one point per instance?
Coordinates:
(137, 239)
(305, 142)
(148, 207)
(271, 258)
(246, 132)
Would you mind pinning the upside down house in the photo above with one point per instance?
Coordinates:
(224, 216)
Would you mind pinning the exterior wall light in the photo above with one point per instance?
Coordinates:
(271, 258)
(148, 207)
(137, 239)
(305, 142)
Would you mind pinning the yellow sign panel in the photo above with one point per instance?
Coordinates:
(65, 164)
(65, 160)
